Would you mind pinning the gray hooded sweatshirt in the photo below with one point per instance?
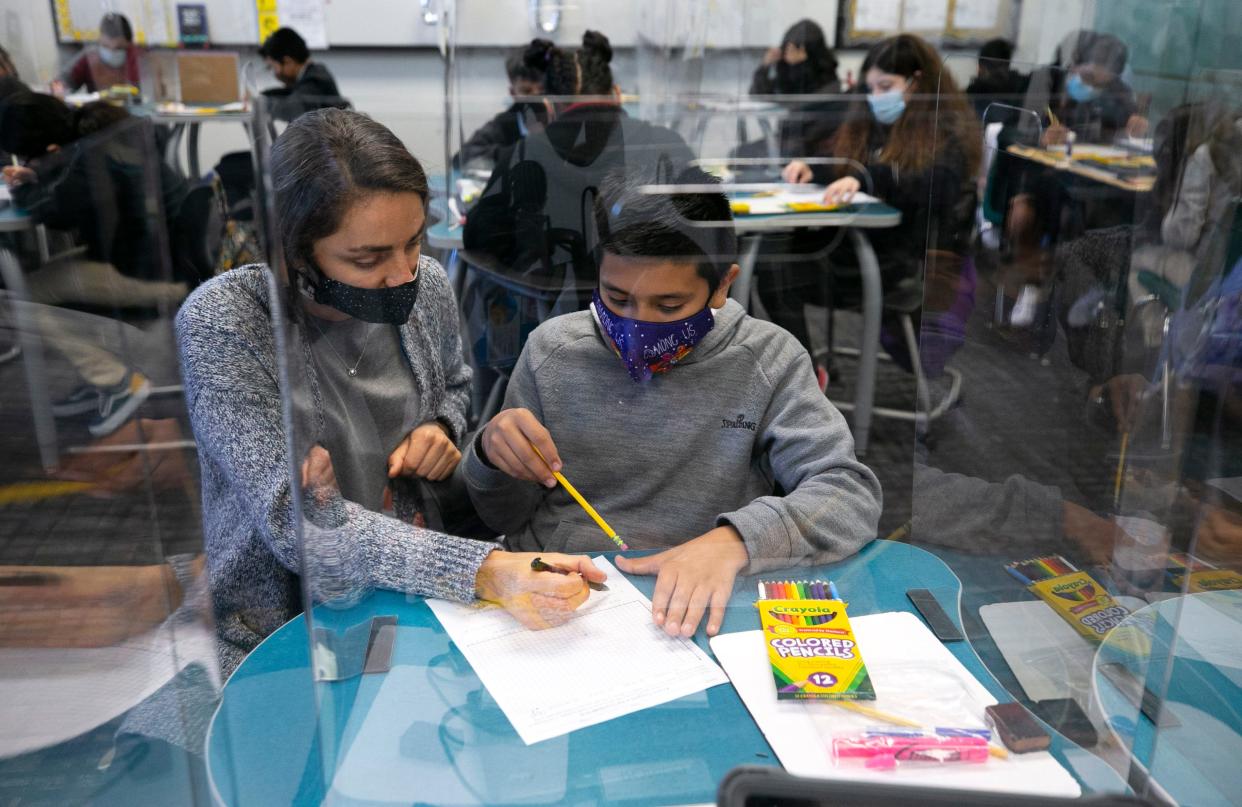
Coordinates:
(738, 434)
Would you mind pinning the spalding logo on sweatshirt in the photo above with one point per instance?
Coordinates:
(740, 423)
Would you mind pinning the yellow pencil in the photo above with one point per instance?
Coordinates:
(1052, 118)
(1121, 464)
(590, 511)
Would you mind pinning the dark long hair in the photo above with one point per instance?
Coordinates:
(937, 111)
(807, 35)
(324, 162)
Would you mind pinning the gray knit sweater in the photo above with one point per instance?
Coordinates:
(255, 556)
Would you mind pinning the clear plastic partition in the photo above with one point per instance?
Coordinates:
(107, 641)
(1082, 485)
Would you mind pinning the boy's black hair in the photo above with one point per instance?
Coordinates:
(116, 25)
(31, 121)
(285, 42)
(530, 62)
(996, 50)
(96, 116)
(634, 222)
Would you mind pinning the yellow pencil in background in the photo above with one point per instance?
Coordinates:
(582, 502)
(1121, 467)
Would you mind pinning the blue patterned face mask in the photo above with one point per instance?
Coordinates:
(647, 348)
(1079, 90)
(887, 106)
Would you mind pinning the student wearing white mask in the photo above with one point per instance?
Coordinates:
(114, 60)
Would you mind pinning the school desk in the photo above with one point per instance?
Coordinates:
(1196, 762)
(855, 219)
(277, 737)
(186, 124)
(15, 220)
(1196, 668)
(1133, 182)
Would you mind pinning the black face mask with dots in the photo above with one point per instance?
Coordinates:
(389, 306)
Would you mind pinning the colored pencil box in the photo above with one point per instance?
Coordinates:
(1210, 580)
(812, 651)
(1081, 601)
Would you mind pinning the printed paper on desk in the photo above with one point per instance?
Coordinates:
(894, 644)
(609, 660)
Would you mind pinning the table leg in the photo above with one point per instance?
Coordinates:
(45, 254)
(872, 304)
(172, 149)
(192, 151)
(740, 290)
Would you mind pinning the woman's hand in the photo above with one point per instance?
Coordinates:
(508, 439)
(771, 56)
(841, 191)
(692, 577)
(318, 477)
(536, 599)
(1136, 126)
(427, 452)
(797, 173)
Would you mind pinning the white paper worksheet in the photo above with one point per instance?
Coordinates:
(609, 660)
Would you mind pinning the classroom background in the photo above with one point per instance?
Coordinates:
(1003, 235)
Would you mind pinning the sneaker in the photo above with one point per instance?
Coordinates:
(82, 400)
(1023, 314)
(118, 403)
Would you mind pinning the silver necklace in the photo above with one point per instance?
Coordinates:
(353, 371)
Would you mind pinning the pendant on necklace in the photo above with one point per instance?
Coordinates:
(353, 371)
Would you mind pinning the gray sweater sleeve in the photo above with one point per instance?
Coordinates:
(505, 504)
(832, 502)
(235, 410)
(1186, 220)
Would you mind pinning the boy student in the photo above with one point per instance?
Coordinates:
(690, 426)
(307, 84)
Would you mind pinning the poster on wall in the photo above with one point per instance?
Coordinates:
(307, 17)
(192, 24)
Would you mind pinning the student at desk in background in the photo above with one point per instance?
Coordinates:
(996, 82)
(114, 60)
(307, 84)
(85, 172)
(677, 414)
(526, 68)
(919, 146)
(1082, 93)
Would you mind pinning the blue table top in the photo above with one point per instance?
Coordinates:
(276, 733)
(1197, 670)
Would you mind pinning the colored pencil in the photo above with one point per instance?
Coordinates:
(582, 502)
(1121, 465)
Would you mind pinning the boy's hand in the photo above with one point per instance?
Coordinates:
(508, 439)
(692, 577)
(426, 452)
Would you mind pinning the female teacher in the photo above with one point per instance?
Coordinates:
(374, 357)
